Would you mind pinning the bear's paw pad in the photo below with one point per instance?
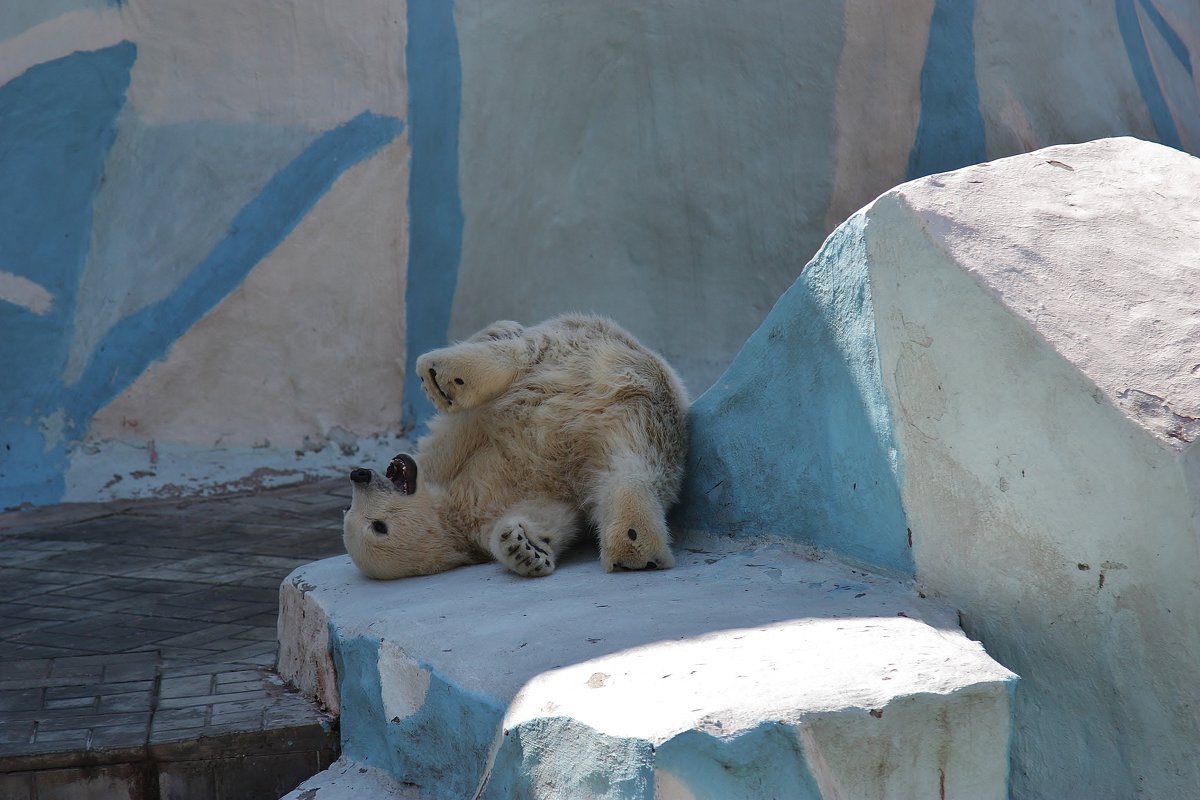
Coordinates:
(516, 549)
(631, 550)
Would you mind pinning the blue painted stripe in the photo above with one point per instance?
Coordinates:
(58, 124)
(435, 212)
(950, 133)
(1143, 72)
(1173, 40)
(141, 338)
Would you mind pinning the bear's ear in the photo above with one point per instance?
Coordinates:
(403, 473)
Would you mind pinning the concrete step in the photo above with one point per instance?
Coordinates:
(746, 671)
(350, 780)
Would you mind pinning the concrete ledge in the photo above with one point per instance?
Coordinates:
(349, 780)
(746, 669)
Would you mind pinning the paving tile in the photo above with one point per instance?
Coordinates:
(178, 719)
(128, 701)
(131, 666)
(35, 651)
(21, 700)
(28, 669)
(207, 699)
(53, 599)
(137, 720)
(205, 635)
(15, 731)
(238, 676)
(75, 670)
(186, 686)
(24, 610)
(128, 624)
(87, 701)
(97, 689)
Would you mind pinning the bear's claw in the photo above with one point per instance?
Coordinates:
(516, 550)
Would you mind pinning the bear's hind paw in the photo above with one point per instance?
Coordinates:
(619, 552)
(513, 547)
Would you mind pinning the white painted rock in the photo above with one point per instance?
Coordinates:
(989, 380)
(1039, 336)
(740, 673)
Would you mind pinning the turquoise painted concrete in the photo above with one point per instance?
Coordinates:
(435, 212)
(766, 761)
(795, 440)
(58, 125)
(442, 748)
(950, 132)
(611, 768)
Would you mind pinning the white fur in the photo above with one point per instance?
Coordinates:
(541, 431)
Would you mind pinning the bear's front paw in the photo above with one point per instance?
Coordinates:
(513, 547)
(632, 549)
(468, 375)
(442, 386)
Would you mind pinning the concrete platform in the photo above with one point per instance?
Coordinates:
(746, 671)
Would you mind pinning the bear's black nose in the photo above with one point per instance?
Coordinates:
(360, 475)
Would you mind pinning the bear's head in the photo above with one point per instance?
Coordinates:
(386, 515)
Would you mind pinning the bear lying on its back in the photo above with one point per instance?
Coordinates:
(541, 431)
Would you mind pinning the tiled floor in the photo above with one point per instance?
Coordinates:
(145, 632)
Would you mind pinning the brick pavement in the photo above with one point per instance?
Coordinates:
(136, 646)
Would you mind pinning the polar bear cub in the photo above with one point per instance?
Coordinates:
(540, 433)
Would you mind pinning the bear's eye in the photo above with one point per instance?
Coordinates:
(379, 527)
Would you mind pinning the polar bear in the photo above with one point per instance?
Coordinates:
(540, 433)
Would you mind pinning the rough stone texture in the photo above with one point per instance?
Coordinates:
(1095, 249)
(1017, 342)
(804, 677)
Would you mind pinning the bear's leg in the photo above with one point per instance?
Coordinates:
(631, 520)
(531, 536)
(467, 375)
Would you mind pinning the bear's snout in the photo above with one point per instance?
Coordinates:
(360, 475)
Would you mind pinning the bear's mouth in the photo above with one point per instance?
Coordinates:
(438, 388)
(402, 472)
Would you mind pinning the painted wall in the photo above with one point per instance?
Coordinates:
(988, 380)
(203, 242)
(676, 165)
(232, 229)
